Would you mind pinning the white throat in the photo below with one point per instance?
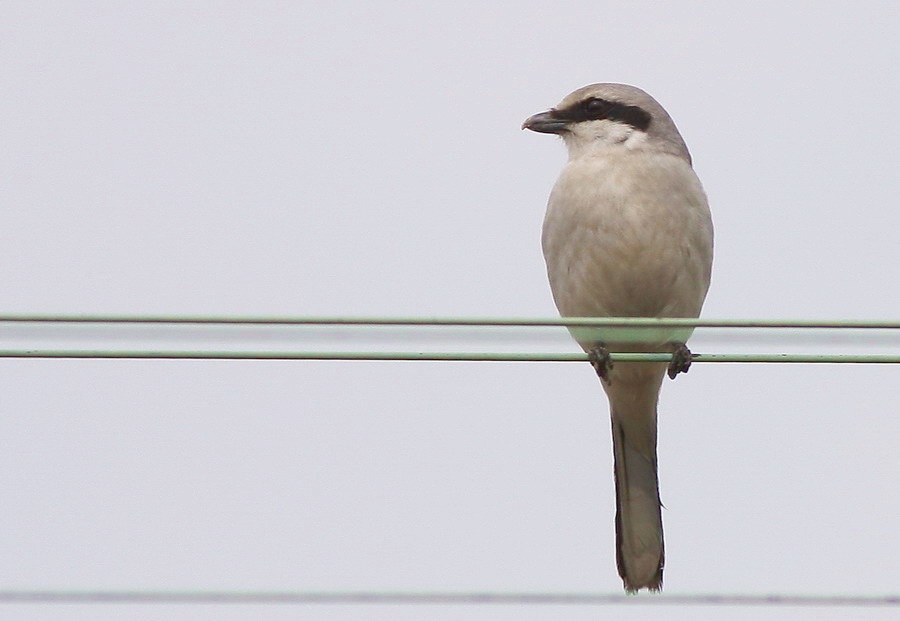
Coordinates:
(590, 137)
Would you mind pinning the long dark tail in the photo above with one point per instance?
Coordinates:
(640, 552)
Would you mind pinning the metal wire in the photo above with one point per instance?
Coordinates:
(462, 321)
(612, 329)
(441, 356)
(432, 598)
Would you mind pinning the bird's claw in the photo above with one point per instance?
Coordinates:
(681, 360)
(602, 363)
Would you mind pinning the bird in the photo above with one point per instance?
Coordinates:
(627, 233)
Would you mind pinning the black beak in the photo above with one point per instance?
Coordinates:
(546, 123)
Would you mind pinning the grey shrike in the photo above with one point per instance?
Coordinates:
(627, 234)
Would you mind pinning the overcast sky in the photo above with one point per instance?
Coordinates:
(289, 158)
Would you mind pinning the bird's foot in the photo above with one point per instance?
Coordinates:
(602, 363)
(681, 360)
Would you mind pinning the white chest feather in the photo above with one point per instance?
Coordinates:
(628, 234)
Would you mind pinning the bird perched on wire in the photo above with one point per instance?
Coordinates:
(627, 233)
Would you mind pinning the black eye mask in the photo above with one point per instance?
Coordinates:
(595, 109)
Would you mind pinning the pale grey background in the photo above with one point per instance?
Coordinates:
(353, 158)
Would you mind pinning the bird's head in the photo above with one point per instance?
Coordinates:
(603, 116)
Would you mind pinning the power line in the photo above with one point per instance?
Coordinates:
(610, 329)
(632, 322)
(440, 598)
(441, 356)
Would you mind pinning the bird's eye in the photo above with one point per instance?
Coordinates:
(596, 108)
